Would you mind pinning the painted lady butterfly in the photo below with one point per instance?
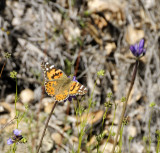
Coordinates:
(58, 85)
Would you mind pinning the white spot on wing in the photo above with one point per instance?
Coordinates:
(81, 87)
(51, 67)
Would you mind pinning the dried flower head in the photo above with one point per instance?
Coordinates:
(7, 55)
(108, 104)
(123, 99)
(13, 74)
(100, 73)
(126, 120)
(152, 104)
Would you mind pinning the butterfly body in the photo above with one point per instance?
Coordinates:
(58, 85)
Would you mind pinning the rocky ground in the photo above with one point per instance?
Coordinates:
(81, 38)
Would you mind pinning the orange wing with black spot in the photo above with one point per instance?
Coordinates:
(77, 89)
(49, 87)
(52, 78)
(50, 72)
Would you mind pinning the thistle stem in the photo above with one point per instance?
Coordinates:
(125, 105)
(46, 125)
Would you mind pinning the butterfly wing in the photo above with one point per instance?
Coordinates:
(49, 87)
(61, 96)
(51, 73)
(58, 85)
(63, 92)
(53, 79)
(77, 89)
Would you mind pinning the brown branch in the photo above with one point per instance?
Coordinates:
(46, 125)
(2, 69)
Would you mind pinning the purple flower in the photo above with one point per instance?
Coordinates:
(70, 98)
(15, 138)
(9, 141)
(16, 132)
(74, 79)
(137, 50)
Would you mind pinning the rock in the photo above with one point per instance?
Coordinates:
(16, 21)
(47, 143)
(48, 107)
(5, 107)
(133, 35)
(3, 121)
(132, 131)
(92, 117)
(47, 100)
(10, 98)
(27, 96)
(57, 138)
(92, 141)
(110, 47)
(38, 93)
(107, 148)
(66, 128)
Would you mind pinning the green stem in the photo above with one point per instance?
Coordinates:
(13, 148)
(157, 149)
(149, 127)
(80, 142)
(104, 116)
(125, 105)
(16, 97)
(110, 132)
(84, 122)
(120, 141)
(81, 135)
(90, 100)
(129, 146)
(98, 147)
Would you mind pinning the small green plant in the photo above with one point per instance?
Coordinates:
(100, 73)
(87, 13)
(125, 122)
(123, 99)
(82, 23)
(107, 104)
(7, 55)
(130, 139)
(13, 75)
(152, 104)
(145, 142)
(147, 139)
(111, 128)
(99, 138)
(81, 110)
(158, 141)
(17, 137)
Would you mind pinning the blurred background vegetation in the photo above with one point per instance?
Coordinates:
(81, 38)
